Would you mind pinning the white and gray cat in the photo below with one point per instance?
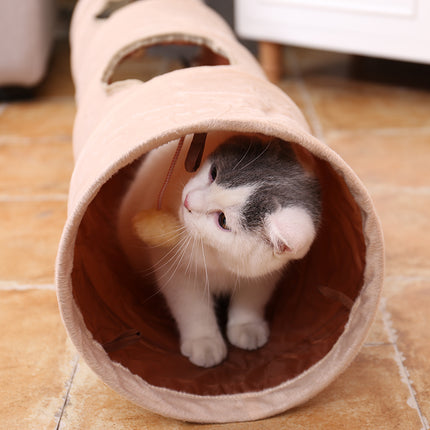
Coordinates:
(249, 210)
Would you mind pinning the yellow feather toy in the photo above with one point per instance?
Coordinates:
(156, 227)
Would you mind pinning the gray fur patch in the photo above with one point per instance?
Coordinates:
(272, 167)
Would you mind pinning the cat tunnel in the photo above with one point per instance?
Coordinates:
(325, 303)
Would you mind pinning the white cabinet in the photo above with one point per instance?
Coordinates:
(26, 35)
(397, 29)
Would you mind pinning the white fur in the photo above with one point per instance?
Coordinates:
(209, 260)
(292, 226)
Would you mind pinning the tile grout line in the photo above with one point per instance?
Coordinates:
(12, 139)
(393, 131)
(309, 106)
(407, 278)
(69, 384)
(382, 188)
(374, 344)
(7, 198)
(17, 286)
(399, 358)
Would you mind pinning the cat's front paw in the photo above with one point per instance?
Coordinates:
(205, 351)
(250, 335)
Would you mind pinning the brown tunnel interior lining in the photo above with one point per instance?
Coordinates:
(307, 314)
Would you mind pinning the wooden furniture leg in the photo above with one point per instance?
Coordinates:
(270, 56)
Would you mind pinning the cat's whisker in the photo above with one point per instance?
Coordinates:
(191, 258)
(160, 290)
(207, 286)
(243, 157)
(177, 264)
(162, 261)
(172, 260)
(236, 284)
(179, 246)
(195, 264)
(154, 294)
(178, 231)
(163, 286)
(256, 158)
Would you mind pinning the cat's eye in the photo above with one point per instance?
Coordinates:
(213, 172)
(222, 221)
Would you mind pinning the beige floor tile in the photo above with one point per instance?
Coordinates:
(312, 62)
(292, 88)
(36, 360)
(395, 170)
(297, 92)
(34, 168)
(399, 159)
(38, 119)
(345, 104)
(377, 334)
(93, 405)
(405, 219)
(29, 237)
(369, 395)
(408, 303)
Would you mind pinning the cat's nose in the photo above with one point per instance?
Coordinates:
(195, 202)
(187, 203)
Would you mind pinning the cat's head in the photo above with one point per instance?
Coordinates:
(253, 204)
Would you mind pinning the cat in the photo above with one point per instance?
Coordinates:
(249, 210)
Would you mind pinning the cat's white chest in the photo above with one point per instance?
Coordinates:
(213, 270)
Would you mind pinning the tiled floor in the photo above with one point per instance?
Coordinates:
(376, 114)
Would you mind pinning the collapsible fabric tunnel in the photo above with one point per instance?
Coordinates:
(325, 303)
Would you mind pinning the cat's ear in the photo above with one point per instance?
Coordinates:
(291, 231)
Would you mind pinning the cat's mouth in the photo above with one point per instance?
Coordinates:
(187, 220)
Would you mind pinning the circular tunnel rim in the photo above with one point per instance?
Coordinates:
(247, 405)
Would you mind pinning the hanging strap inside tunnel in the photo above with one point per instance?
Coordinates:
(195, 153)
(192, 160)
(170, 171)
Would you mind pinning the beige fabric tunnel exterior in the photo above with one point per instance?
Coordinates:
(119, 122)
